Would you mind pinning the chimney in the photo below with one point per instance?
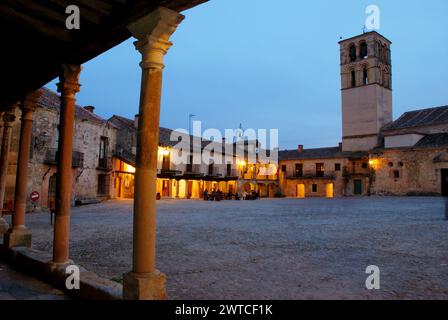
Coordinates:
(300, 148)
(90, 108)
(340, 145)
(136, 121)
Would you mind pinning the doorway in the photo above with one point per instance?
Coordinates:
(166, 188)
(357, 187)
(301, 191)
(330, 190)
(444, 173)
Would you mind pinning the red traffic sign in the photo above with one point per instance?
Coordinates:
(34, 196)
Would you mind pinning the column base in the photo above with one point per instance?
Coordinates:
(144, 286)
(4, 226)
(19, 237)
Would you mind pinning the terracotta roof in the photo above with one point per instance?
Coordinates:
(51, 100)
(319, 153)
(419, 118)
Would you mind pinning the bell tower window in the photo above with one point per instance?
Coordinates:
(353, 78)
(365, 76)
(364, 51)
(352, 53)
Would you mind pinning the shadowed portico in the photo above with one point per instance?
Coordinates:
(104, 24)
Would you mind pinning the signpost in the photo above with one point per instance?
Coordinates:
(34, 196)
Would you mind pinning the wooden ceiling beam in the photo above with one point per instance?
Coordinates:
(31, 23)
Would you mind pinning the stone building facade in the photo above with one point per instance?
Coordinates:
(377, 156)
(93, 145)
(184, 181)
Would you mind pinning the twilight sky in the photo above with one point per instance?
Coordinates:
(275, 64)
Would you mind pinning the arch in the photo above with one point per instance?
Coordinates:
(272, 189)
(353, 78)
(365, 76)
(222, 186)
(301, 191)
(352, 52)
(248, 187)
(364, 51)
(263, 190)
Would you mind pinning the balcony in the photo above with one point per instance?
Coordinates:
(166, 173)
(194, 171)
(312, 177)
(51, 158)
(105, 164)
(214, 173)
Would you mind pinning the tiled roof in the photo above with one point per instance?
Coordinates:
(320, 153)
(418, 118)
(433, 141)
(51, 100)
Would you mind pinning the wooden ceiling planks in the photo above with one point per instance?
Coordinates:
(35, 40)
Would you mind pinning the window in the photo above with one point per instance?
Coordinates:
(365, 77)
(314, 188)
(364, 165)
(364, 50)
(401, 164)
(391, 164)
(229, 169)
(299, 170)
(353, 78)
(352, 53)
(396, 174)
(337, 167)
(102, 158)
(320, 170)
(166, 162)
(283, 168)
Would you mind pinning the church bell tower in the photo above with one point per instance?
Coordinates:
(366, 80)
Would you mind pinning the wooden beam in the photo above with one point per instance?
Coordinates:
(34, 24)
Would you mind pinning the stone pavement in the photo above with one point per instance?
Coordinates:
(17, 286)
(272, 249)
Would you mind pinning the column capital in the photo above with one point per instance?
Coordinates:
(29, 103)
(153, 32)
(9, 115)
(69, 80)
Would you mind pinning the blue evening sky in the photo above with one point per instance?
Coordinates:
(275, 64)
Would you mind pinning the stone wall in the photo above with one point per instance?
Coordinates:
(419, 171)
(42, 167)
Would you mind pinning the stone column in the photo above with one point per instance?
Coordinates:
(68, 86)
(8, 119)
(153, 31)
(18, 235)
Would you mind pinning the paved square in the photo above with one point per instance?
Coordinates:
(273, 249)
